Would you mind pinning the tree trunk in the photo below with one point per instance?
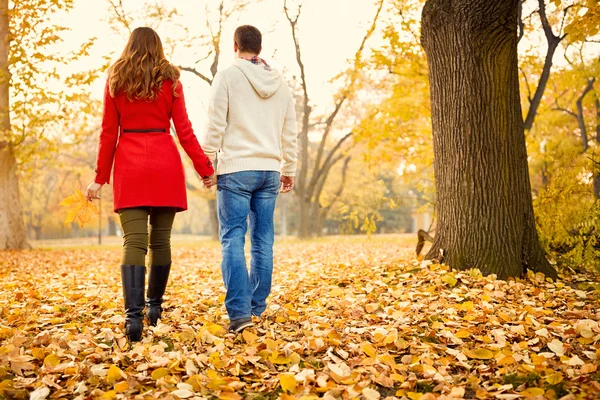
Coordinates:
(485, 208)
(284, 221)
(12, 229)
(112, 226)
(214, 219)
(38, 232)
(304, 223)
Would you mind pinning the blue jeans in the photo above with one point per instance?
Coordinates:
(241, 195)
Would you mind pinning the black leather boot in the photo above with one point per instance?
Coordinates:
(157, 283)
(134, 279)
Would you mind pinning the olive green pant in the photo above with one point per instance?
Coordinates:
(134, 222)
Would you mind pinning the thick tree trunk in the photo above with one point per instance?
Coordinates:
(12, 229)
(485, 208)
(214, 219)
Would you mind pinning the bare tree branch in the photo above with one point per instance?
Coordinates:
(121, 16)
(526, 84)
(553, 42)
(345, 93)
(339, 191)
(306, 109)
(317, 175)
(197, 73)
(580, 116)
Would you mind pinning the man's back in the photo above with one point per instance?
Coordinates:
(252, 120)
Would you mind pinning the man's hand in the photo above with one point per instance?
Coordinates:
(287, 184)
(92, 190)
(210, 181)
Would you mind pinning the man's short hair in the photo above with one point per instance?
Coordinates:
(248, 39)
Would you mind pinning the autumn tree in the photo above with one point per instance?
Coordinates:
(314, 170)
(31, 110)
(484, 201)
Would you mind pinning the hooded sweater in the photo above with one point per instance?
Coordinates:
(251, 121)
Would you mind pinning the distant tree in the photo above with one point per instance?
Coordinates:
(29, 109)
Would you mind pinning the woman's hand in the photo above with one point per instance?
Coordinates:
(210, 181)
(92, 190)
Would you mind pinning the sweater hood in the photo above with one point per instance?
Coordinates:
(265, 83)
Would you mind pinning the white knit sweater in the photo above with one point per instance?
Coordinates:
(251, 121)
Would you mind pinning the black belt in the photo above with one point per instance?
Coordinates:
(144, 130)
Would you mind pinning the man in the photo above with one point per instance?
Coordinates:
(252, 131)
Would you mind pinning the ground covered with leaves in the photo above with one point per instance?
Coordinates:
(347, 319)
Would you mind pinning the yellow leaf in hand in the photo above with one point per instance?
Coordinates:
(79, 210)
(288, 382)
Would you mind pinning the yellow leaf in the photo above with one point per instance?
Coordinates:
(121, 387)
(462, 334)
(449, 279)
(414, 395)
(51, 360)
(114, 374)
(554, 379)
(287, 382)
(466, 306)
(38, 353)
(531, 392)
(230, 396)
(159, 373)
(480, 354)
(111, 394)
(372, 307)
(368, 349)
(79, 209)
(508, 360)
(248, 336)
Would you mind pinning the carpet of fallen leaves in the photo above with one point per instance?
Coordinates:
(346, 319)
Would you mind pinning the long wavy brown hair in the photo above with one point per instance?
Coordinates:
(142, 68)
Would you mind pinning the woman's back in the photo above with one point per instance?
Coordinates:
(146, 114)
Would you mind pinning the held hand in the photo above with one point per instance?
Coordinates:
(287, 184)
(210, 181)
(92, 190)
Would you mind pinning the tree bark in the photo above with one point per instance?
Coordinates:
(485, 209)
(12, 229)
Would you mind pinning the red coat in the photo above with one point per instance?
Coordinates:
(136, 136)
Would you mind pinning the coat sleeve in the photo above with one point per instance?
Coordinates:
(109, 135)
(218, 109)
(186, 136)
(289, 140)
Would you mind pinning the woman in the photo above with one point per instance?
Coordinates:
(142, 95)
